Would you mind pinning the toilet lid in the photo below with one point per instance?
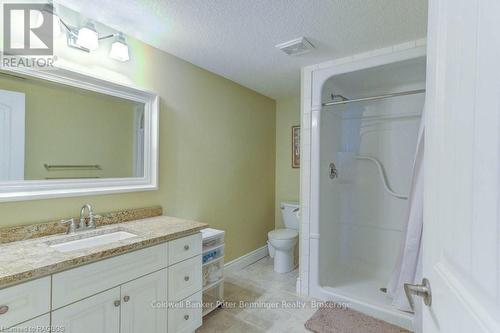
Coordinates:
(283, 234)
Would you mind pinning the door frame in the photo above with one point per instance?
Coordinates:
(15, 144)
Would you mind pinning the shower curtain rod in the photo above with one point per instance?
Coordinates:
(403, 93)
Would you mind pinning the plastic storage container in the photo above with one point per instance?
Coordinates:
(213, 269)
(213, 272)
(213, 254)
(212, 238)
(213, 298)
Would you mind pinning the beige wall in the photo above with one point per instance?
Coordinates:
(287, 178)
(217, 149)
(66, 125)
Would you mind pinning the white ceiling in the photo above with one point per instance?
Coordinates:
(236, 38)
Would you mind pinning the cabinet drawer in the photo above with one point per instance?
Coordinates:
(24, 302)
(184, 248)
(184, 279)
(78, 283)
(39, 324)
(185, 316)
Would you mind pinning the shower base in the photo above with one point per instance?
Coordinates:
(363, 294)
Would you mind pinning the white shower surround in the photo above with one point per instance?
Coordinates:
(312, 80)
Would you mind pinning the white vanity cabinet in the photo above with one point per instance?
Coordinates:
(128, 308)
(84, 281)
(129, 293)
(143, 304)
(98, 314)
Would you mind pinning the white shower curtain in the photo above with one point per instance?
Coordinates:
(407, 268)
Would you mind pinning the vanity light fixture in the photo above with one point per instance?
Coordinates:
(119, 48)
(88, 37)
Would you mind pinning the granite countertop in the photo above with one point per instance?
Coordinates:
(29, 259)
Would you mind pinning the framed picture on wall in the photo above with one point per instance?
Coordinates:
(295, 146)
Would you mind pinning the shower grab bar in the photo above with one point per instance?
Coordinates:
(372, 98)
(382, 176)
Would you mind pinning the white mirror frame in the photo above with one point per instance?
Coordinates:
(45, 189)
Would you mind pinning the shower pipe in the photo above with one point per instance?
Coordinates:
(382, 176)
(403, 93)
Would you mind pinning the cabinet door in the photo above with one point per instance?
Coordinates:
(144, 304)
(97, 314)
(40, 324)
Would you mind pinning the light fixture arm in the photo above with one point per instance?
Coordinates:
(108, 36)
(72, 31)
(66, 26)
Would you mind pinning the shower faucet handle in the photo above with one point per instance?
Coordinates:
(334, 173)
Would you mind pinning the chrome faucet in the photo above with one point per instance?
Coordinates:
(82, 226)
(91, 223)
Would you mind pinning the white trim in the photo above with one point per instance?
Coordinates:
(138, 142)
(247, 259)
(28, 190)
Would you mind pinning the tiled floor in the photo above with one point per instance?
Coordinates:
(258, 285)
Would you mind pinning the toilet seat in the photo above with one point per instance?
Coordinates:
(283, 234)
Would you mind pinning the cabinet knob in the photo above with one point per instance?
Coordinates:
(3, 309)
(186, 317)
(126, 298)
(186, 278)
(117, 303)
(186, 247)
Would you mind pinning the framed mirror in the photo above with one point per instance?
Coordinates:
(67, 134)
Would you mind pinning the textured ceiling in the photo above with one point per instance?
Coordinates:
(236, 38)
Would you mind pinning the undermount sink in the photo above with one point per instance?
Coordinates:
(92, 241)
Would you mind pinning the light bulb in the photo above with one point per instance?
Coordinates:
(119, 48)
(88, 37)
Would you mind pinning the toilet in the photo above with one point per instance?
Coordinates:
(283, 241)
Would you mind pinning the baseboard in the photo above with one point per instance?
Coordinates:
(247, 259)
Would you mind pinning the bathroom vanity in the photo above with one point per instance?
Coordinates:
(149, 282)
(71, 133)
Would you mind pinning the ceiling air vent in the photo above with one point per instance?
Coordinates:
(296, 46)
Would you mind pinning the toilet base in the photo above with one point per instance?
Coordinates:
(283, 261)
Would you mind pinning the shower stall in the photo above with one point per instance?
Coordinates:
(363, 140)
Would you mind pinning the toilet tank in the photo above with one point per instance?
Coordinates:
(290, 215)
